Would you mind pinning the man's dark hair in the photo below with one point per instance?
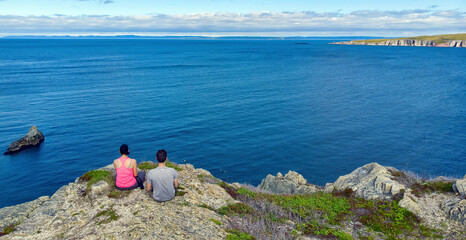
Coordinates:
(161, 156)
(124, 149)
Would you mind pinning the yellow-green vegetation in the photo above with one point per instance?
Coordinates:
(325, 214)
(179, 193)
(436, 38)
(8, 229)
(95, 176)
(422, 186)
(115, 193)
(203, 205)
(108, 214)
(235, 209)
(216, 221)
(151, 165)
(237, 235)
(208, 179)
(317, 229)
(173, 165)
(147, 165)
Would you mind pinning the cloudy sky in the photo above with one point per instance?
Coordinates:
(232, 17)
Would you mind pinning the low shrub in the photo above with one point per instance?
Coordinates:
(95, 176)
(8, 229)
(114, 193)
(317, 229)
(237, 235)
(151, 165)
(147, 165)
(216, 221)
(109, 214)
(235, 209)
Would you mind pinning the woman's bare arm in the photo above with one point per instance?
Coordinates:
(135, 168)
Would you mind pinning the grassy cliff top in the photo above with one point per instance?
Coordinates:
(436, 38)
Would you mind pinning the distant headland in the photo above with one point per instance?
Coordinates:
(448, 40)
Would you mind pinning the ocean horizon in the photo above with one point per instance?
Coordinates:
(241, 109)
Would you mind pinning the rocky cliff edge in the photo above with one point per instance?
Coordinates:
(282, 207)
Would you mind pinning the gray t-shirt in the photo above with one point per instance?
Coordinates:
(161, 179)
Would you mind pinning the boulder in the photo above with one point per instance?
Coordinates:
(371, 181)
(16, 214)
(455, 209)
(292, 182)
(99, 188)
(460, 186)
(409, 202)
(31, 139)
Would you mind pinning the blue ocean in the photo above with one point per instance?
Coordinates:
(241, 109)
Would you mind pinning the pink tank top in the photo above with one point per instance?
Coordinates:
(124, 176)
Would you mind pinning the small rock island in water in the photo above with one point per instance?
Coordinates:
(31, 139)
(372, 202)
(449, 40)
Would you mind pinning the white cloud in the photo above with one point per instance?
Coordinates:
(364, 22)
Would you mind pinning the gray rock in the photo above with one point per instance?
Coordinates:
(409, 202)
(99, 188)
(47, 210)
(70, 215)
(371, 181)
(460, 186)
(455, 209)
(17, 213)
(292, 182)
(31, 139)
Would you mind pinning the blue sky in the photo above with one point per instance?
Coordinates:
(232, 17)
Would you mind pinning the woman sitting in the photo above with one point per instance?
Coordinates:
(127, 176)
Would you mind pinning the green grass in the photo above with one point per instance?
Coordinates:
(237, 235)
(151, 165)
(389, 218)
(317, 229)
(216, 221)
(147, 165)
(323, 214)
(109, 215)
(115, 193)
(333, 209)
(93, 177)
(246, 192)
(179, 193)
(235, 209)
(436, 38)
(173, 165)
(8, 229)
(203, 205)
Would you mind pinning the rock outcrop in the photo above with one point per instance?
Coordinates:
(460, 186)
(292, 182)
(31, 139)
(371, 181)
(69, 214)
(98, 211)
(455, 209)
(407, 42)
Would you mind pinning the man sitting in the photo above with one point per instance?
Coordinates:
(162, 180)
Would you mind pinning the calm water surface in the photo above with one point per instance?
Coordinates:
(240, 109)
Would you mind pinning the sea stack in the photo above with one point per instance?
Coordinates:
(31, 139)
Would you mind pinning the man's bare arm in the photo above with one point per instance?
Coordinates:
(175, 183)
(148, 186)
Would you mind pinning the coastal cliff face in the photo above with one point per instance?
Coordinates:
(282, 207)
(407, 42)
